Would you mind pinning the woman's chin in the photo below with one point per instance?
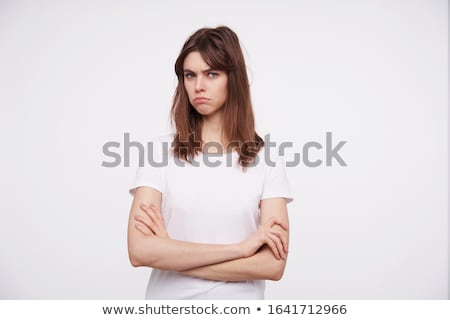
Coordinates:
(207, 111)
(203, 110)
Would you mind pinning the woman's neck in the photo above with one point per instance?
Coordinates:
(212, 133)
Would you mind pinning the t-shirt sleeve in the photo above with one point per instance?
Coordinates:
(151, 174)
(276, 184)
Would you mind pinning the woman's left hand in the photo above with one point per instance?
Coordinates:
(151, 223)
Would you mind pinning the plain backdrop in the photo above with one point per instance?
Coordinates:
(75, 75)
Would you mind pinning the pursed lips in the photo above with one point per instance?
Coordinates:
(201, 99)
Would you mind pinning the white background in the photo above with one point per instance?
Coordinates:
(77, 74)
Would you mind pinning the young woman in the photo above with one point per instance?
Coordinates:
(212, 225)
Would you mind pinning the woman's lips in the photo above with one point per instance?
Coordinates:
(201, 100)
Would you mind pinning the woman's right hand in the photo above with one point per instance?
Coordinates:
(267, 234)
(151, 222)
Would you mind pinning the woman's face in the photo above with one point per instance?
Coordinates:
(207, 88)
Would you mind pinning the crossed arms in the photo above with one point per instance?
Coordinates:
(261, 256)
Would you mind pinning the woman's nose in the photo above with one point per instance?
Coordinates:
(199, 84)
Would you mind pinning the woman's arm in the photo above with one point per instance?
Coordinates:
(165, 253)
(161, 252)
(262, 265)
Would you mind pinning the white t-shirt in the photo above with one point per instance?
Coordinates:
(212, 201)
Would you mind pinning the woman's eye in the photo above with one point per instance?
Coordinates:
(188, 75)
(212, 74)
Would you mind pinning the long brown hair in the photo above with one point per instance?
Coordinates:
(220, 49)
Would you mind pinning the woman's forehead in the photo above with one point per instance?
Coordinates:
(195, 62)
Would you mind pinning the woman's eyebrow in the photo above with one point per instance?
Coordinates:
(203, 71)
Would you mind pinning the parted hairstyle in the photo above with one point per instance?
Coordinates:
(220, 49)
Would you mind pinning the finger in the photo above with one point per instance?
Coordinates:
(154, 215)
(273, 221)
(148, 222)
(153, 219)
(150, 215)
(143, 229)
(270, 222)
(282, 224)
(159, 219)
(149, 212)
(145, 208)
(157, 212)
(278, 245)
(282, 237)
(156, 218)
(273, 247)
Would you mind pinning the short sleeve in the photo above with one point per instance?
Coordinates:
(151, 174)
(276, 184)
